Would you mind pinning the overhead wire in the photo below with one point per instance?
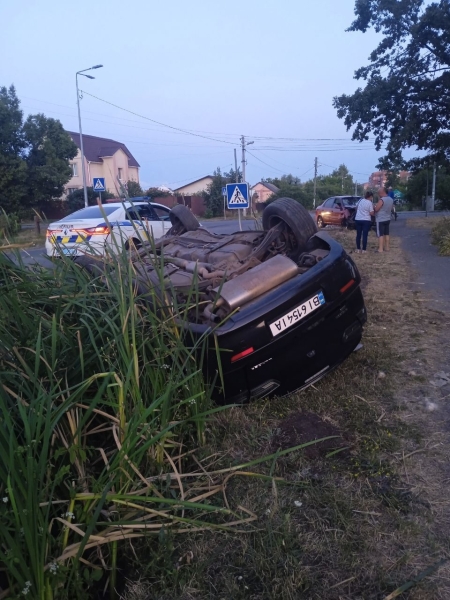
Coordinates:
(187, 132)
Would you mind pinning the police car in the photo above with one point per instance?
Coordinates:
(114, 225)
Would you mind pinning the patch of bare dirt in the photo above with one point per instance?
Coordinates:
(302, 427)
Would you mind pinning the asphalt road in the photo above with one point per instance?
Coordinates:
(433, 270)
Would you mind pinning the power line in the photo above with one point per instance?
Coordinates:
(158, 122)
(264, 163)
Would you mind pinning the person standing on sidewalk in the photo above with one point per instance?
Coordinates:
(383, 219)
(363, 221)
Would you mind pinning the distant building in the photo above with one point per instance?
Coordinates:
(195, 187)
(102, 158)
(262, 191)
(378, 179)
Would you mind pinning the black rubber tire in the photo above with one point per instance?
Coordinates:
(182, 220)
(297, 219)
(320, 223)
(133, 243)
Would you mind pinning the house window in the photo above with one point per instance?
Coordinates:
(71, 190)
(120, 173)
(74, 168)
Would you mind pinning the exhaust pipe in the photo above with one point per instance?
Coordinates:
(251, 284)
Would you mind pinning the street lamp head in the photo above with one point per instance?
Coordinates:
(248, 143)
(97, 67)
(88, 76)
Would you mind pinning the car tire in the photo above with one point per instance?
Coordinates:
(297, 219)
(320, 223)
(182, 220)
(133, 244)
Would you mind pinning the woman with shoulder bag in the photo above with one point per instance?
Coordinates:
(363, 221)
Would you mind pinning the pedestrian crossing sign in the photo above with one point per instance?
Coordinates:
(237, 195)
(99, 184)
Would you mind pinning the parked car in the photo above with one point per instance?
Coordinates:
(115, 224)
(336, 210)
(282, 306)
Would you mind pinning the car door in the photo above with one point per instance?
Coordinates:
(337, 212)
(152, 224)
(163, 215)
(327, 213)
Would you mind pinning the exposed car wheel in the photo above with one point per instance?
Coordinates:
(320, 223)
(133, 244)
(182, 220)
(298, 225)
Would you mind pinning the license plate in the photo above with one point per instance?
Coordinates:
(68, 252)
(296, 315)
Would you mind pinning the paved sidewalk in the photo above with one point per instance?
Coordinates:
(433, 270)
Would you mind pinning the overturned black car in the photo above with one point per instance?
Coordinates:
(282, 305)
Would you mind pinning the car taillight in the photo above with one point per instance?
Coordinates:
(347, 286)
(102, 230)
(51, 232)
(242, 354)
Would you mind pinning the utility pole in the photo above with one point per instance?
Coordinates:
(243, 157)
(243, 161)
(235, 165)
(342, 181)
(433, 189)
(356, 188)
(315, 181)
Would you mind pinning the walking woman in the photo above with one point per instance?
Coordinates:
(363, 221)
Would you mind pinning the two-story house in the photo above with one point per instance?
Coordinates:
(102, 158)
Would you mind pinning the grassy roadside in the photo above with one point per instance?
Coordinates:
(357, 524)
(440, 231)
(25, 238)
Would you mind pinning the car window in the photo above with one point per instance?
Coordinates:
(146, 212)
(91, 212)
(138, 213)
(133, 214)
(163, 213)
(329, 203)
(338, 204)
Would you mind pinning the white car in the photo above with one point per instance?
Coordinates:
(115, 224)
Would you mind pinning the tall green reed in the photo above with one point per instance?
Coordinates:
(98, 389)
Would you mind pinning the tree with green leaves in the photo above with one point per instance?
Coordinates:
(134, 189)
(339, 182)
(34, 156)
(75, 200)
(13, 167)
(405, 101)
(233, 176)
(419, 186)
(213, 196)
(290, 187)
(48, 151)
(154, 192)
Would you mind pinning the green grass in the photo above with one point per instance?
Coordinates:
(97, 394)
(440, 236)
(344, 526)
(121, 478)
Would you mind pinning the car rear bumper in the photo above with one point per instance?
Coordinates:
(300, 357)
(79, 249)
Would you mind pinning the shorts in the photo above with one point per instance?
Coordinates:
(383, 228)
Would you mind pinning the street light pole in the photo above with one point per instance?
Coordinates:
(83, 168)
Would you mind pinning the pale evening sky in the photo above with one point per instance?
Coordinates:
(266, 69)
